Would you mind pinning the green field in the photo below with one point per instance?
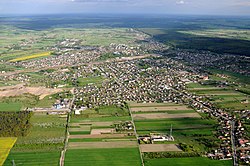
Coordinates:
(33, 159)
(90, 80)
(10, 107)
(103, 157)
(193, 161)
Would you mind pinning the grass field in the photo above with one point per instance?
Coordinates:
(10, 107)
(90, 80)
(5, 145)
(33, 159)
(103, 157)
(192, 161)
(45, 54)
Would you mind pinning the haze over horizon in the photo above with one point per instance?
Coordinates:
(185, 7)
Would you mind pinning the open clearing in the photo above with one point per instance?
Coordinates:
(20, 89)
(162, 108)
(159, 148)
(5, 145)
(165, 116)
(99, 145)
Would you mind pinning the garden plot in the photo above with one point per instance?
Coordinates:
(159, 148)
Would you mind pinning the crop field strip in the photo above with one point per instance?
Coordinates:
(159, 148)
(165, 116)
(28, 57)
(6, 143)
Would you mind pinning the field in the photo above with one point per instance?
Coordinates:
(221, 33)
(45, 54)
(33, 158)
(6, 144)
(188, 128)
(194, 161)
(10, 106)
(103, 157)
(159, 148)
(33, 42)
(100, 133)
(226, 98)
(43, 144)
(20, 90)
(90, 80)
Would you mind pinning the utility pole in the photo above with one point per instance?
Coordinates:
(171, 131)
(13, 163)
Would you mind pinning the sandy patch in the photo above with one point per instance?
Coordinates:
(21, 89)
(159, 148)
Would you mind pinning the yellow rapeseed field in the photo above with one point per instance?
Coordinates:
(6, 143)
(31, 57)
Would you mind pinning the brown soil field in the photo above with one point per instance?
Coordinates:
(102, 131)
(21, 89)
(93, 124)
(159, 148)
(167, 108)
(151, 104)
(99, 136)
(85, 128)
(98, 145)
(165, 116)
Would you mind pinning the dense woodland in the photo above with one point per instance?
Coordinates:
(14, 124)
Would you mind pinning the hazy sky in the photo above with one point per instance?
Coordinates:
(205, 7)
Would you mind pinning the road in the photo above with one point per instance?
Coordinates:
(67, 131)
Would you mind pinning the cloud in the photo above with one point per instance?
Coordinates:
(181, 2)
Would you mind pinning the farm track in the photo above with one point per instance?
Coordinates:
(66, 141)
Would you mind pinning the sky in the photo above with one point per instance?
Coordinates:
(188, 7)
